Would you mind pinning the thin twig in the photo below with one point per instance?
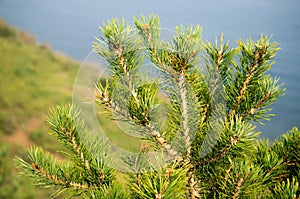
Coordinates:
(157, 135)
(256, 63)
(258, 105)
(193, 185)
(238, 188)
(213, 85)
(78, 150)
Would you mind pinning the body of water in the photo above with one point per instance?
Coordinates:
(70, 26)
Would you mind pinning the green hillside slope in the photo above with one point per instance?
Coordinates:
(32, 79)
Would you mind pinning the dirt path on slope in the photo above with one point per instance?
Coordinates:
(21, 136)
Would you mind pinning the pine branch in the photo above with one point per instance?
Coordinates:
(163, 142)
(149, 30)
(181, 81)
(78, 150)
(224, 152)
(176, 63)
(70, 130)
(62, 121)
(47, 171)
(256, 63)
(193, 184)
(167, 182)
(213, 87)
(249, 85)
(218, 60)
(176, 60)
(236, 141)
(184, 113)
(238, 188)
(113, 107)
(42, 172)
(47, 177)
(257, 106)
(118, 54)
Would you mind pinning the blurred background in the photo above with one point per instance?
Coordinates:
(42, 44)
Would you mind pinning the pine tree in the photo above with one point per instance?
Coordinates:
(199, 121)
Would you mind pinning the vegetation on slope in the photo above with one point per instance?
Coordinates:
(33, 79)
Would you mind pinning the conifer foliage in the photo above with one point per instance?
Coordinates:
(212, 94)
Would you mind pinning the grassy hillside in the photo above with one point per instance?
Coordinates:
(32, 79)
